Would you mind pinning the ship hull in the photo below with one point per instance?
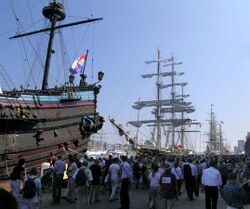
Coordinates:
(34, 125)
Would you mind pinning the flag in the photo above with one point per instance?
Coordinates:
(78, 65)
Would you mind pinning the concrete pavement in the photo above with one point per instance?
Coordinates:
(138, 200)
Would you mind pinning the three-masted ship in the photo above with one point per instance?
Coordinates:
(215, 143)
(38, 123)
(170, 123)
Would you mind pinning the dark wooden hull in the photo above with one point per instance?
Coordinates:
(35, 124)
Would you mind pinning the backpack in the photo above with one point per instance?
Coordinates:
(29, 189)
(81, 177)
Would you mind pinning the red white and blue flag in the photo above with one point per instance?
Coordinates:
(78, 65)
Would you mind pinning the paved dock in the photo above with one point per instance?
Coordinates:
(138, 200)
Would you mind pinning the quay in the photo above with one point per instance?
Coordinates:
(138, 200)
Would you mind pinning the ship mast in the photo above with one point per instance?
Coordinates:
(158, 114)
(165, 110)
(54, 12)
(50, 13)
(138, 118)
(215, 142)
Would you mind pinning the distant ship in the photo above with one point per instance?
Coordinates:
(170, 124)
(38, 123)
(215, 143)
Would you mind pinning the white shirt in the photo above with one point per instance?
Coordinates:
(126, 170)
(71, 169)
(15, 186)
(114, 171)
(204, 165)
(154, 180)
(177, 172)
(193, 169)
(211, 177)
(161, 171)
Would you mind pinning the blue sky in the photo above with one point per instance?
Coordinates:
(210, 37)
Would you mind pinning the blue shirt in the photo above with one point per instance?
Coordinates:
(59, 167)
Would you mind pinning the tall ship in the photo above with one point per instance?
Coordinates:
(215, 143)
(38, 122)
(171, 124)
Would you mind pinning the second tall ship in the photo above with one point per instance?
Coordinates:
(171, 124)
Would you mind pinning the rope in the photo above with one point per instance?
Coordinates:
(76, 152)
(71, 150)
(64, 150)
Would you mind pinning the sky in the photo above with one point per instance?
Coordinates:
(210, 37)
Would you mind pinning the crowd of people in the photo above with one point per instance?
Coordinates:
(165, 177)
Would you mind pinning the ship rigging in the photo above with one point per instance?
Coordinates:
(170, 123)
(35, 123)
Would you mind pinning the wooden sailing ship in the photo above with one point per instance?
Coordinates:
(37, 123)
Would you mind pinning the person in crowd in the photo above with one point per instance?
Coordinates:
(203, 164)
(97, 174)
(230, 165)
(232, 193)
(245, 189)
(211, 179)
(52, 159)
(154, 179)
(58, 172)
(17, 178)
(7, 200)
(126, 179)
(115, 178)
(176, 170)
(168, 188)
(188, 178)
(91, 161)
(161, 165)
(32, 193)
(105, 169)
(193, 178)
(136, 173)
(83, 188)
(72, 167)
(223, 171)
(144, 172)
(199, 170)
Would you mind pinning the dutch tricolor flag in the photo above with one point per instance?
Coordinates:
(78, 65)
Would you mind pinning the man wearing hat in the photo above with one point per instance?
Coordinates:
(168, 188)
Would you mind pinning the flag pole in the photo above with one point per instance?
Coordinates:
(85, 61)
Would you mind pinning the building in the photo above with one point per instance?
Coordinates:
(241, 146)
(236, 150)
(247, 145)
